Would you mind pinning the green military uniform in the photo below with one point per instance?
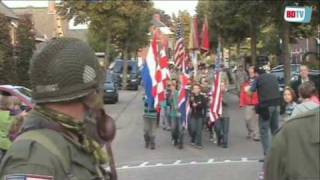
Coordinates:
(150, 125)
(54, 145)
(5, 121)
(295, 149)
(72, 160)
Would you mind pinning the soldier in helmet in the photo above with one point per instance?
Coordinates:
(56, 141)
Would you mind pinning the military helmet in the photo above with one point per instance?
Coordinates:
(63, 70)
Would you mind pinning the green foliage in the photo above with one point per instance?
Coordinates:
(125, 22)
(25, 47)
(7, 65)
(184, 17)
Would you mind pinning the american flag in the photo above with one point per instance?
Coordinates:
(179, 49)
(216, 98)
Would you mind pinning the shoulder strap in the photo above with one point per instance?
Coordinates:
(40, 137)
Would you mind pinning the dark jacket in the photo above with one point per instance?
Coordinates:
(267, 87)
(295, 84)
(199, 110)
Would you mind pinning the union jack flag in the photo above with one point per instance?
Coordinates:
(183, 99)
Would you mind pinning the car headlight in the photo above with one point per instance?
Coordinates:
(294, 78)
(281, 89)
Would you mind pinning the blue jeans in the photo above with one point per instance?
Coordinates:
(268, 127)
(196, 130)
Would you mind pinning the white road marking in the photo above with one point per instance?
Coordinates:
(210, 161)
(191, 163)
(244, 159)
(177, 162)
(143, 164)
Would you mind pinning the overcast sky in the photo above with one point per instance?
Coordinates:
(168, 6)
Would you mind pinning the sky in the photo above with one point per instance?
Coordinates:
(168, 6)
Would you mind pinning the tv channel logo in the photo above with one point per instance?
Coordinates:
(298, 14)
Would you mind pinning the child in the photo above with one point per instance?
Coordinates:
(289, 98)
(175, 116)
(306, 92)
(198, 105)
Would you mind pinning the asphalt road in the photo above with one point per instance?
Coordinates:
(134, 162)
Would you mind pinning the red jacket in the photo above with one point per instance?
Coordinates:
(245, 98)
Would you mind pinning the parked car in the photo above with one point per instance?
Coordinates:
(22, 93)
(133, 73)
(110, 89)
(278, 71)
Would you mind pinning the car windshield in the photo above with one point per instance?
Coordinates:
(24, 91)
(109, 78)
(118, 67)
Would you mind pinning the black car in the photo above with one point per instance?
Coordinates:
(278, 71)
(110, 89)
(133, 73)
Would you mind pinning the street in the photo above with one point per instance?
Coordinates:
(134, 162)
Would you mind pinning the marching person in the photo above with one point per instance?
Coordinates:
(198, 109)
(150, 125)
(221, 126)
(175, 116)
(57, 140)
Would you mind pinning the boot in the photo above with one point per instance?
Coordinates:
(225, 128)
(146, 140)
(218, 131)
(180, 144)
(152, 143)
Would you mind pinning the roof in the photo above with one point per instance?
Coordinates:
(7, 11)
(157, 23)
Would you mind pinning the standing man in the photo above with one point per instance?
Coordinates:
(268, 108)
(304, 77)
(248, 103)
(295, 149)
(56, 143)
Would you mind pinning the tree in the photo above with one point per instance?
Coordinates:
(7, 65)
(290, 31)
(122, 25)
(25, 47)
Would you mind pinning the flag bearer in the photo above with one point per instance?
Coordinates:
(150, 124)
